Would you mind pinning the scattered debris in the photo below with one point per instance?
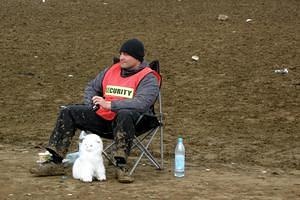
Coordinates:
(44, 157)
(70, 75)
(275, 173)
(249, 20)
(207, 170)
(282, 71)
(195, 58)
(26, 73)
(63, 107)
(222, 17)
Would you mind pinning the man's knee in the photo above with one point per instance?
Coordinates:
(127, 115)
(66, 108)
(124, 113)
(73, 110)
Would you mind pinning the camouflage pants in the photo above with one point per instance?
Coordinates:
(73, 117)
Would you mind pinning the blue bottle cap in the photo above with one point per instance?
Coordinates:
(180, 139)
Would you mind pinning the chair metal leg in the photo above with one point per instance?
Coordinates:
(161, 147)
(109, 157)
(144, 151)
(143, 148)
(144, 136)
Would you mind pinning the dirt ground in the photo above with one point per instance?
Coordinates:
(239, 119)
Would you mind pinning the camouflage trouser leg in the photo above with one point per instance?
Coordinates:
(124, 129)
(70, 118)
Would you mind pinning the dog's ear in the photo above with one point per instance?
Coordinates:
(82, 135)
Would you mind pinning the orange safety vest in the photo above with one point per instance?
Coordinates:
(116, 87)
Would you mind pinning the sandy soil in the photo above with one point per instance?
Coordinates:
(239, 119)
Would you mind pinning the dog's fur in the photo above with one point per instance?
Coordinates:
(90, 164)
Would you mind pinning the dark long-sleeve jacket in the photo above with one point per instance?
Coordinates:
(145, 96)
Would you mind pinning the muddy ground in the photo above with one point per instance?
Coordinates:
(239, 119)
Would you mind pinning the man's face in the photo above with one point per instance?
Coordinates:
(127, 61)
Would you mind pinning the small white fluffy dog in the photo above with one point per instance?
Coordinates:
(90, 164)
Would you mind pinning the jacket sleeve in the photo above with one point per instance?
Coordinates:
(144, 98)
(94, 88)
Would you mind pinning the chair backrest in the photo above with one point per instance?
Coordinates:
(154, 65)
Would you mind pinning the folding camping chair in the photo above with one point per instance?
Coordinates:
(147, 127)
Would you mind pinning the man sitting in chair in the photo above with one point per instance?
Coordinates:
(114, 101)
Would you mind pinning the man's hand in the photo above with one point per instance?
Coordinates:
(101, 102)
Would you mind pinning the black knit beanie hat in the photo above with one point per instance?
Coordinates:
(135, 48)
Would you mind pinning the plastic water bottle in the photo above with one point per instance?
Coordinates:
(179, 158)
(70, 158)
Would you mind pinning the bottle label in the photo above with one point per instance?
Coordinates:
(179, 163)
